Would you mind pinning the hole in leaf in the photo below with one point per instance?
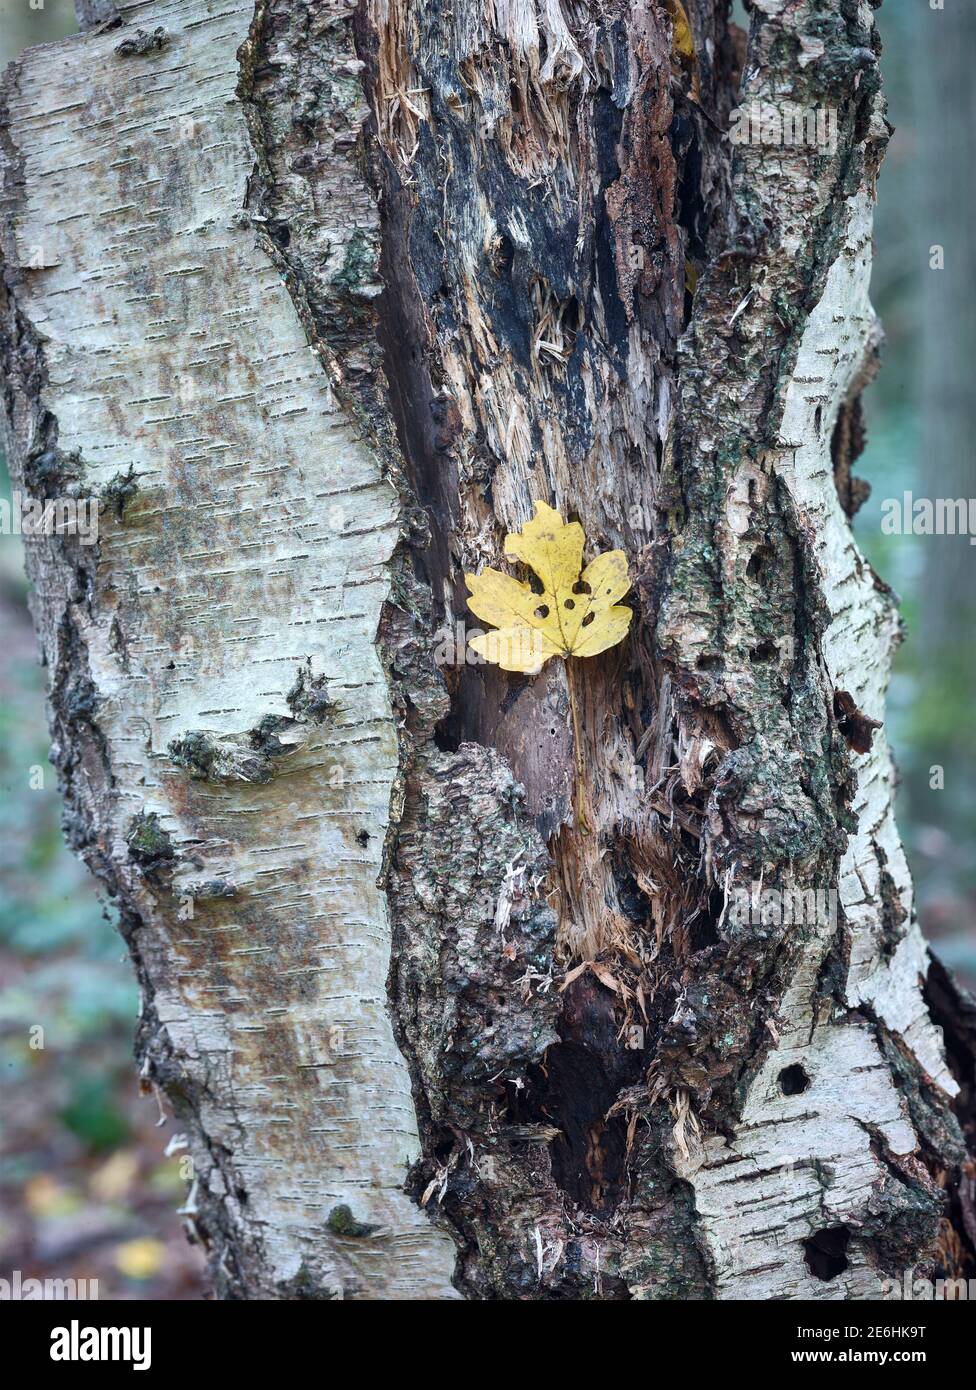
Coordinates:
(581, 587)
(542, 611)
(793, 1080)
(587, 620)
(569, 603)
(826, 1252)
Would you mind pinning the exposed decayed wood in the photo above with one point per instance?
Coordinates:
(319, 300)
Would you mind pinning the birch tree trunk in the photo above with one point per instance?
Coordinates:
(318, 298)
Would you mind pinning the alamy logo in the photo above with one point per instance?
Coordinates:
(77, 1343)
(17, 1289)
(517, 647)
(53, 516)
(758, 906)
(784, 124)
(910, 1289)
(926, 516)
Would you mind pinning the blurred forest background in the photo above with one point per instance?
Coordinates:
(86, 1188)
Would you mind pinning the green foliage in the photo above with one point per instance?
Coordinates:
(93, 1116)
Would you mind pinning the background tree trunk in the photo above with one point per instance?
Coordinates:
(318, 300)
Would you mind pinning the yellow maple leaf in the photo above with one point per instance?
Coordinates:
(577, 613)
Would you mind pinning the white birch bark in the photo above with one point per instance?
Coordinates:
(253, 556)
(804, 1162)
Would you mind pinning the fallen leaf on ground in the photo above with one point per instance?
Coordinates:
(140, 1258)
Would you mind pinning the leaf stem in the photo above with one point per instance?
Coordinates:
(581, 820)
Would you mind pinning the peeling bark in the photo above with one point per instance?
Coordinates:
(340, 294)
